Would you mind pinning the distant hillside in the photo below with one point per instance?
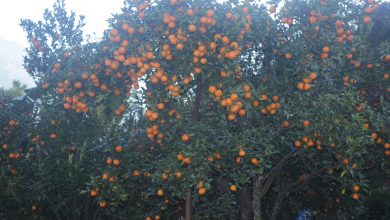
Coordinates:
(11, 64)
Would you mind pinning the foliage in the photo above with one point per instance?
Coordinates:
(200, 108)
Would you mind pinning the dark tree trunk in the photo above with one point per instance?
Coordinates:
(275, 210)
(245, 204)
(195, 117)
(188, 205)
(257, 189)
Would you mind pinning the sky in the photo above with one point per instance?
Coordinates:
(11, 11)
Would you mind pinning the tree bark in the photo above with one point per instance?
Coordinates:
(188, 205)
(275, 210)
(195, 117)
(246, 208)
(195, 114)
(257, 184)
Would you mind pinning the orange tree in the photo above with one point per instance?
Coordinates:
(54, 137)
(238, 98)
(209, 110)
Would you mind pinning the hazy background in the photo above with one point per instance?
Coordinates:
(13, 39)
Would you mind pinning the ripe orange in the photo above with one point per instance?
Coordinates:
(212, 89)
(231, 116)
(187, 161)
(241, 153)
(255, 161)
(356, 188)
(93, 193)
(325, 49)
(119, 149)
(312, 76)
(202, 191)
(160, 106)
(102, 204)
(367, 19)
(233, 188)
(312, 19)
(180, 157)
(116, 162)
(109, 161)
(191, 28)
(160, 193)
(355, 196)
(185, 137)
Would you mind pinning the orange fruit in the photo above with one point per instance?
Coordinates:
(298, 144)
(191, 28)
(241, 153)
(116, 162)
(202, 191)
(93, 193)
(102, 204)
(312, 76)
(367, 19)
(312, 19)
(185, 137)
(119, 149)
(160, 193)
(325, 49)
(233, 188)
(180, 157)
(255, 161)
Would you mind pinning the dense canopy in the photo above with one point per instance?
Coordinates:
(202, 109)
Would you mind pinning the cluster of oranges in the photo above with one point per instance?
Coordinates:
(120, 110)
(307, 142)
(369, 10)
(75, 103)
(152, 116)
(183, 159)
(305, 85)
(12, 125)
(356, 189)
(379, 140)
(270, 108)
(153, 132)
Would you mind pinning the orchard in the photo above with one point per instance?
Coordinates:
(203, 109)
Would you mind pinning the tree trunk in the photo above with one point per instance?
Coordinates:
(195, 117)
(257, 182)
(275, 210)
(188, 205)
(245, 203)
